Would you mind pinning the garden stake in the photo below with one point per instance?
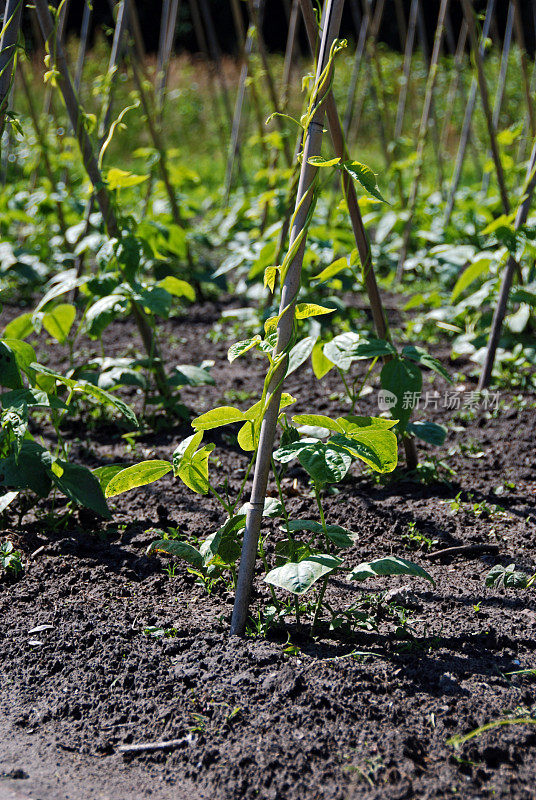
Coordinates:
(361, 239)
(521, 154)
(356, 70)
(254, 13)
(84, 35)
(8, 49)
(499, 94)
(423, 128)
(467, 120)
(312, 146)
(370, 48)
(43, 146)
(454, 86)
(289, 51)
(72, 105)
(402, 97)
(511, 267)
(520, 36)
(484, 97)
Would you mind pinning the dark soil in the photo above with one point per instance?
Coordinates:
(366, 716)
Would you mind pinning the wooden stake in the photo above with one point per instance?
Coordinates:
(508, 276)
(423, 129)
(8, 50)
(484, 97)
(467, 120)
(91, 166)
(312, 146)
(501, 83)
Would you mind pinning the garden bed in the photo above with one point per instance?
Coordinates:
(135, 655)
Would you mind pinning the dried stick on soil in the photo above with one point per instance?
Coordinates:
(463, 550)
(511, 267)
(423, 129)
(312, 146)
(467, 120)
(151, 747)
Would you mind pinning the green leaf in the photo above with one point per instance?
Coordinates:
(224, 542)
(420, 356)
(329, 272)
(9, 371)
(299, 577)
(185, 450)
(137, 475)
(29, 470)
(24, 356)
(377, 448)
(318, 421)
(404, 380)
(80, 485)
(390, 565)
(323, 463)
(20, 327)
(300, 353)
(121, 179)
(102, 312)
(470, 274)
(239, 348)
(59, 321)
(105, 474)
(341, 537)
(320, 363)
(177, 288)
(366, 177)
(306, 310)
(194, 471)
(319, 161)
(500, 577)
(190, 375)
(429, 432)
(174, 547)
(223, 415)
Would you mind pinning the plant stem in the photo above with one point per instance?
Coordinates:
(319, 602)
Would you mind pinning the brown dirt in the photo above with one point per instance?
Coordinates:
(256, 722)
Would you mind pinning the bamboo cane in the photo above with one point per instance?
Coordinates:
(520, 36)
(453, 86)
(92, 169)
(423, 128)
(521, 153)
(84, 36)
(8, 49)
(289, 51)
(404, 87)
(369, 49)
(312, 145)
(501, 83)
(41, 141)
(358, 63)
(511, 267)
(467, 120)
(484, 97)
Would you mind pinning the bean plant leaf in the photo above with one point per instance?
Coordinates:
(329, 272)
(340, 536)
(24, 357)
(430, 432)
(470, 274)
(306, 310)
(30, 469)
(300, 353)
(105, 474)
(298, 577)
(194, 470)
(420, 356)
(20, 327)
(366, 177)
(177, 287)
(137, 475)
(324, 463)
(378, 449)
(224, 544)
(403, 379)
(238, 349)
(174, 547)
(80, 485)
(319, 161)
(58, 322)
(509, 577)
(390, 565)
(320, 362)
(223, 415)
(9, 371)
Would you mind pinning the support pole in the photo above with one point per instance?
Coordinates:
(8, 49)
(508, 276)
(467, 120)
(312, 146)
(423, 129)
